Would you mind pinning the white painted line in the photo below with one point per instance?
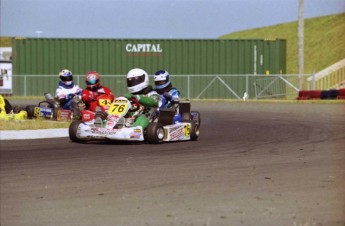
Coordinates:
(33, 134)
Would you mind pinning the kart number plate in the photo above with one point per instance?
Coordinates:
(186, 130)
(104, 102)
(119, 107)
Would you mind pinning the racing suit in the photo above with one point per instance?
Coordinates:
(90, 97)
(65, 93)
(149, 100)
(170, 99)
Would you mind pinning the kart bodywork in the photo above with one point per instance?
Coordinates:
(48, 110)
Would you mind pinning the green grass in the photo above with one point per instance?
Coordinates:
(32, 124)
(324, 41)
(5, 41)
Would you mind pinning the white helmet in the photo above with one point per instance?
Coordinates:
(137, 80)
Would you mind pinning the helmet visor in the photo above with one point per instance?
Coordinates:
(92, 81)
(157, 83)
(66, 78)
(135, 80)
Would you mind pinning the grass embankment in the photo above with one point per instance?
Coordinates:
(324, 41)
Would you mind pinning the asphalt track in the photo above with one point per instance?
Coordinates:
(254, 164)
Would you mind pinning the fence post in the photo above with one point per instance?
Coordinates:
(25, 85)
(247, 85)
(188, 89)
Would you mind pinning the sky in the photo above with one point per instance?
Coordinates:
(151, 19)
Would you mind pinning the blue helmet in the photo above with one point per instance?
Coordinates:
(162, 79)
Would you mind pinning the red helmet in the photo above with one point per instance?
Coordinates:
(92, 80)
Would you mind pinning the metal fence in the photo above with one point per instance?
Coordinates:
(191, 86)
(332, 77)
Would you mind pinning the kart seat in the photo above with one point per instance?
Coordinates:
(184, 107)
(166, 116)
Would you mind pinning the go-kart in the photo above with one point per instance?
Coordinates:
(117, 125)
(7, 112)
(50, 109)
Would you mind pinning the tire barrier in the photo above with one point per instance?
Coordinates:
(321, 94)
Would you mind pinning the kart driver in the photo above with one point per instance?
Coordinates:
(170, 95)
(139, 88)
(93, 90)
(66, 89)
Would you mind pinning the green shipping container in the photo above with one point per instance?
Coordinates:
(40, 56)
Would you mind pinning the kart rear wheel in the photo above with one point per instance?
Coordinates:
(154, 133)
(30, 109)
(194, 130)
(76, 112)
(56, 113)
(72, 131)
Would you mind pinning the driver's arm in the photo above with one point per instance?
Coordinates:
(148, 101)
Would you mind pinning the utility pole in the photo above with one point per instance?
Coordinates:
(300, 42)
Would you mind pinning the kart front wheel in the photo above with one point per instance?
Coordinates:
(154, 133)
(194, 130)
(73, 130)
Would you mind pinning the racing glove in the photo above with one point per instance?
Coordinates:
(70, 96)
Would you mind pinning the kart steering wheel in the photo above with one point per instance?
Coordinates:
(135, 105)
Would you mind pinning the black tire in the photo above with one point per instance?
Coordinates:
(8, 106)
(46, 104)
(30, 109)
(333, 93)
(194, 130)
(154, 133)
(72, 131)
(185, 116)
(76, 114)
(324, 94)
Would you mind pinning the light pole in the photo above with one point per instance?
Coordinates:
(300, 42)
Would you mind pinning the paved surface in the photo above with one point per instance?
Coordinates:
(254, 164)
